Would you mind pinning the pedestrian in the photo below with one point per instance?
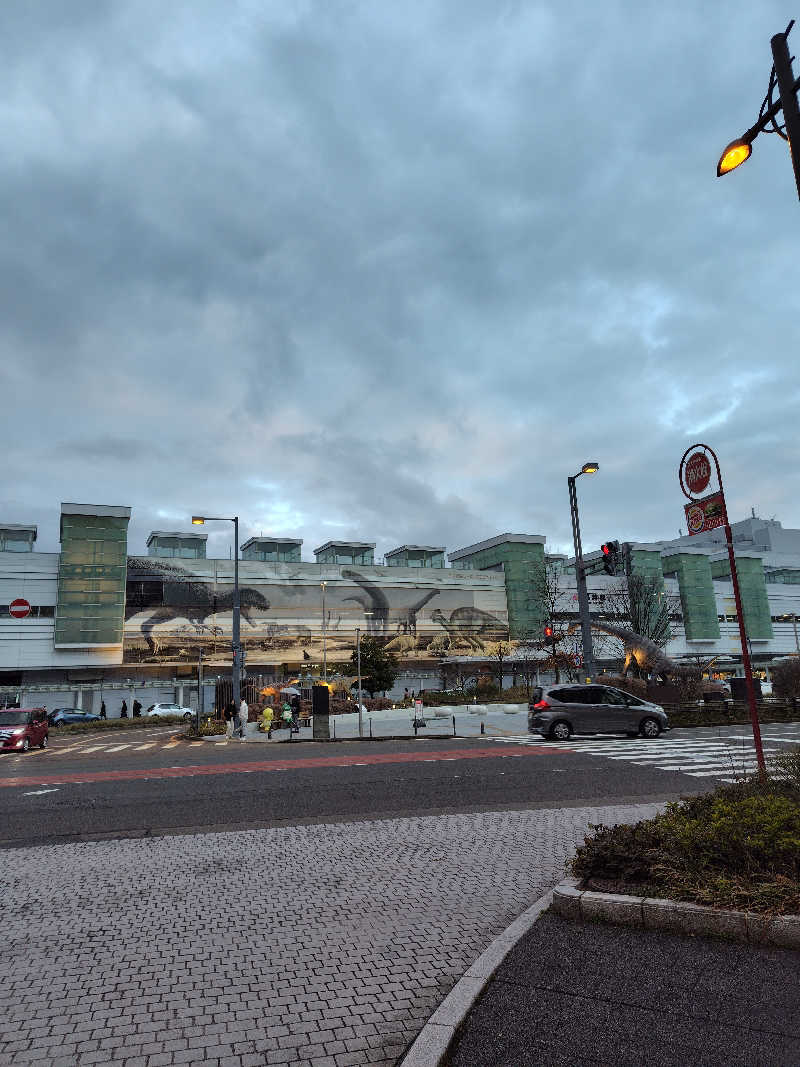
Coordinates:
(102, 709)
(266, 720)
(406, 697)
(295, 714)
(229, 713)
(123, 713)
(286, 714)
(244, 715)
(137, 709)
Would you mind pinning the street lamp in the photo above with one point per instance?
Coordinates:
(591, 467)
(199, 520)
(782, 75)
(358, 657)
(324, 636)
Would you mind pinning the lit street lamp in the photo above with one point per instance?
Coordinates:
(198, 520)
(580, 573)
(358, 656)
(324, 636)
(782, 75)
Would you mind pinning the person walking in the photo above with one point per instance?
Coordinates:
(102, 709)
(244, 715)
(229, 713)
(137, 709)
(123, 711)
(295, 705)
(266, 720)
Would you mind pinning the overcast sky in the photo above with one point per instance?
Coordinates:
(392, 272)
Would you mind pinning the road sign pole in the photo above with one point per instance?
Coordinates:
(694, 478)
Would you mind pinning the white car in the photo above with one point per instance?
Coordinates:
(163, 711)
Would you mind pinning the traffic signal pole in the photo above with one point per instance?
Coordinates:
(580, 576)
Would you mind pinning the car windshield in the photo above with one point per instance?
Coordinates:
(14, 718)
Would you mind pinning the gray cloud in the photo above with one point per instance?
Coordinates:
(349, 271)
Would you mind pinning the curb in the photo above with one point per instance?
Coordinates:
(434, 1039)
(675, 916)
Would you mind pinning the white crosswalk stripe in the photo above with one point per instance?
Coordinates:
(707, 758)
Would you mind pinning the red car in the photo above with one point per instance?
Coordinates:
(22, 727)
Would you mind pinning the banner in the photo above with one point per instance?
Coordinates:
(705, 514)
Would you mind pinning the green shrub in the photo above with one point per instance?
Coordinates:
(736, 847)
(116, 724)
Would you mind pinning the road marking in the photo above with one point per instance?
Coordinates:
(141, 748)
(277, 765)
(117, 748)
(39, 792)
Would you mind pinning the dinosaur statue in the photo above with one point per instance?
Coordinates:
(193, 598)
(467, 625)
(641, 651)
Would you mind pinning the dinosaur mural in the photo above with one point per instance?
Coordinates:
(192, 599)
(471, 627)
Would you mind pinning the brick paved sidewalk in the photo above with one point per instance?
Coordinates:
(164, 950)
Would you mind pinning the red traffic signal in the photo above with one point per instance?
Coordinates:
(548, 631)
(610, 552)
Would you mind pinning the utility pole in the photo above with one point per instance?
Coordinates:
(580, 572)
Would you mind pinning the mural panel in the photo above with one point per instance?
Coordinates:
(172, 612)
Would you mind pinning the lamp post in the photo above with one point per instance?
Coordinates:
(580, 573)
(324, 636)
(199, 520)
(358, 657)
(782, 75)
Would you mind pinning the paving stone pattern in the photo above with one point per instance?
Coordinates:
(168, 950)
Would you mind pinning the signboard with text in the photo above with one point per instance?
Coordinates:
(705, 514)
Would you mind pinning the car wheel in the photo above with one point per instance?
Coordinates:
(560, 731)
(43, 742)
(187, 716)
(25, 744)
(650, 728)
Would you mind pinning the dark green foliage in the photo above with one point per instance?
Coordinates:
(786, 677)
(737, 847)
(378, 667)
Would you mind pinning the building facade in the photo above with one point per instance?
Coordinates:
(103, 625)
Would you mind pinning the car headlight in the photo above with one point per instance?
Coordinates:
(18, 733)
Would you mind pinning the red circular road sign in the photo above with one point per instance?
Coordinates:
(697, 472)
(19, 608)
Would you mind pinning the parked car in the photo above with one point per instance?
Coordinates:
(559, 711)
(67, 716)
(163, 711)
(20, 728)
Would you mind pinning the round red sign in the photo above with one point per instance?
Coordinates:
(18, 609)
(697, 472)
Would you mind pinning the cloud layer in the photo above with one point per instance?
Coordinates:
(350, 271)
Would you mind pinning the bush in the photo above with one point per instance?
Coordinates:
(786, 677)
(117, 724)
(208, 728)
(635, 686)
(738, 847)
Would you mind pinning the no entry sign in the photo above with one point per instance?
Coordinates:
(697, 473)
(19, 608)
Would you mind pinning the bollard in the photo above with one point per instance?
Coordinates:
(415, 727)
(370, 727)
(483, 727)
(334, 729)
(454, 726)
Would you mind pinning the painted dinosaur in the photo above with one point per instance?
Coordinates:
(468, 625)
(195, 599)
(379, 605)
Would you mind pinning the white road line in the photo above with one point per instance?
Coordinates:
(92, 748)
(150, 744)
(171, 744)
(117, 748)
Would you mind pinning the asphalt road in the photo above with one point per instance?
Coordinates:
(86, 788)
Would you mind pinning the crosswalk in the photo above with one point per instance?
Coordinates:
(81, 748)
(727, 760)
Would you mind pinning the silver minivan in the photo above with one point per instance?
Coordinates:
(561, 710)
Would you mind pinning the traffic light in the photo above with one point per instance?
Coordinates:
(548, 631)
(610, 552)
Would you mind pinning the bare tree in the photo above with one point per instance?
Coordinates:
(498, 652)
(642, 600)
(554, 596)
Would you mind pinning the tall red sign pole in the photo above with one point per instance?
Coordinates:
(694, 474)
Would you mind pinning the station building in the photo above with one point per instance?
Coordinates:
(102, 624)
